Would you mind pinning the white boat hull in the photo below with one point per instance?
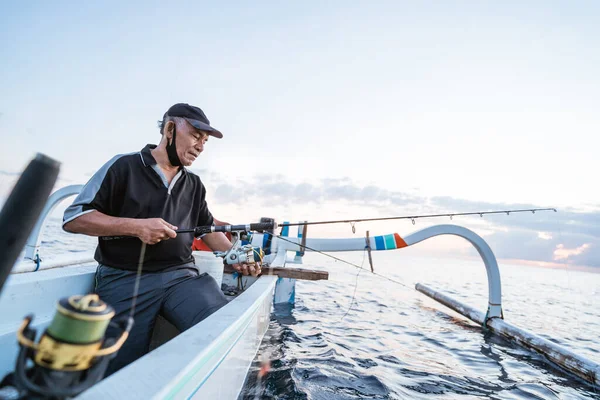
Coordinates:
(209, 361)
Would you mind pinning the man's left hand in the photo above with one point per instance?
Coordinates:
(248, 269)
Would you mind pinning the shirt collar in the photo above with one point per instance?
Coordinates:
(147, 158)
(146, 155)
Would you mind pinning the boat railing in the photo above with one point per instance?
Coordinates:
(32, 247)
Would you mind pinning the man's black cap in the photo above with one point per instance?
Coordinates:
(194, 116)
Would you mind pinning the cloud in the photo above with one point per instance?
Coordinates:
(323, 191)
(544, 235)
(526, 244)
(567, 236)
(563, 253)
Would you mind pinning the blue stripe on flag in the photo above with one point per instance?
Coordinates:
(379, 243)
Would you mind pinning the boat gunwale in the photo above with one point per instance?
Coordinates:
(231, 320)
(246, 317)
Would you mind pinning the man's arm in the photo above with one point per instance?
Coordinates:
(217, 241)
(95, 223)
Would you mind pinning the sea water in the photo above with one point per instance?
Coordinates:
(360, 336)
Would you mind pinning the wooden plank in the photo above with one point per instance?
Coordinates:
(294, 273)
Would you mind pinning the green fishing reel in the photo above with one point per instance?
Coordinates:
(72, 353)
(74, 337)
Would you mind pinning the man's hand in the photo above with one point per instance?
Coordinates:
(248, 269)
(153, 230)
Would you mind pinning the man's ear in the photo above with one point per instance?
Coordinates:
(169, 129)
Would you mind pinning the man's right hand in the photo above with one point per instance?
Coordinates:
(153, 230)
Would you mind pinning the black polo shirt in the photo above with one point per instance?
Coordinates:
(132, 186)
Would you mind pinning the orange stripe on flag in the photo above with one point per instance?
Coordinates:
(400, 243)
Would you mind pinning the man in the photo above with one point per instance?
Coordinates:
(142, 198)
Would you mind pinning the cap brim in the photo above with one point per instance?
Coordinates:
(205, 127)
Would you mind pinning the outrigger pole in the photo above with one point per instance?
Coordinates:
(580, 366)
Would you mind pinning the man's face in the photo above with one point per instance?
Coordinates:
(190, 143)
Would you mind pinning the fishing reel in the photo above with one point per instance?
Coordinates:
(72, 353)
(241, 253)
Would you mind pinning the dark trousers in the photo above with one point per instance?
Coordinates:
(181, 295)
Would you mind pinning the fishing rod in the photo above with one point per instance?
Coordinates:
(413, 217)
(201, 230)
(204, 229)
(266, 226)
(270, 226)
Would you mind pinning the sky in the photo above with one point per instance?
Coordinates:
(330, 110)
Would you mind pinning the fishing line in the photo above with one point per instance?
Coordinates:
(360, 268)
(138, 277)
(339, 259)
(355, 285)
(568, 272)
